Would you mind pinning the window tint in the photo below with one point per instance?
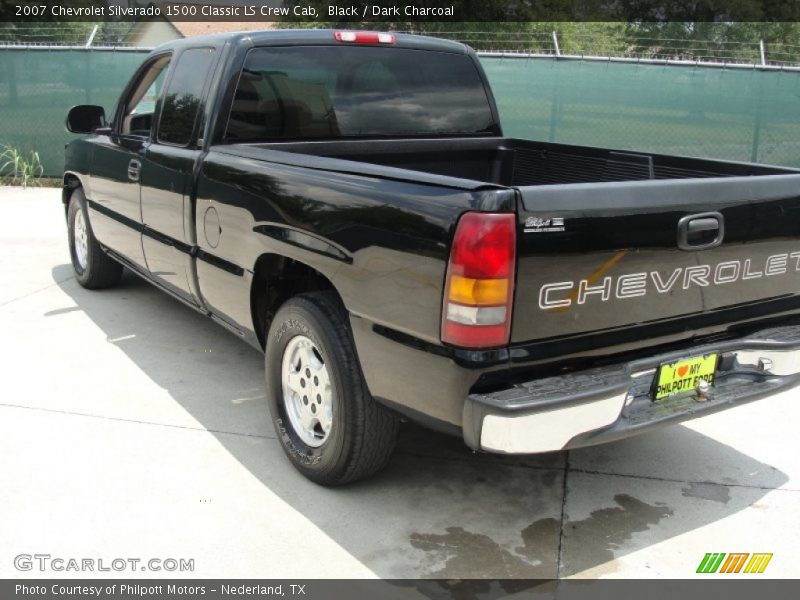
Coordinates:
(346, 91)
(183, 96)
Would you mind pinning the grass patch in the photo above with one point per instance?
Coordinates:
(20, 168)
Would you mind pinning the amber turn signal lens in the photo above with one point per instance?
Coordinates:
(478, 292)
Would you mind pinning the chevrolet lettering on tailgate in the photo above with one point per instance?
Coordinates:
(631, 285)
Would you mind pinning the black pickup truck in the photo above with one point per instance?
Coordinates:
(346, 202)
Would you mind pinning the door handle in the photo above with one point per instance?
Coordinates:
(134, 169)
(701, 231)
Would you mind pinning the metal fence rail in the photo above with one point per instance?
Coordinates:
(682, 62)
(72, 35)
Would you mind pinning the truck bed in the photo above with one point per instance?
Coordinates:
(515, 162)
(619, 216)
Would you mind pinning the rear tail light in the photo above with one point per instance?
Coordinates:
(364, 37)
(480, 281)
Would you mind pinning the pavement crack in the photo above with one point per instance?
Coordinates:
(684, 481)
(34, 292)
(563, 514)
(136, 421)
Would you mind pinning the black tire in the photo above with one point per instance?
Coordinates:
(100, 270)
(362, 433)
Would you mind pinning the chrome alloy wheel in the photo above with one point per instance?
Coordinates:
(307, 393)
(81, 239)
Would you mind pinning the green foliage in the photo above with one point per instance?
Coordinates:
(733, 42)
(18, 169)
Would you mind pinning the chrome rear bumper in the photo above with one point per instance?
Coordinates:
(607, 403)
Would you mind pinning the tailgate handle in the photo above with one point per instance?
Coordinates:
(701, 232)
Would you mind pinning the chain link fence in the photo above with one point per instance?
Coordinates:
(651, 102)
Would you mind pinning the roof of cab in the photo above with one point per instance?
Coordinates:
(308, 37)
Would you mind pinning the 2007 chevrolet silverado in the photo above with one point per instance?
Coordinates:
(346, 201)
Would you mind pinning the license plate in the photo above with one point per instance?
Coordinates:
(684, 375)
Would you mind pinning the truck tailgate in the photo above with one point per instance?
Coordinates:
(606, 257)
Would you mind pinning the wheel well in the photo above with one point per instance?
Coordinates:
(276, 279)
(71, 182)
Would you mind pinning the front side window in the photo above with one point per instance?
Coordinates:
(140, 106)
(309, 92)
(183, 96)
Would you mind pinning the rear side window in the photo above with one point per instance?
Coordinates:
(183, 96)
(320, 92)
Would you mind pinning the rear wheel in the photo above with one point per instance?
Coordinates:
(93, 268)
(330, 427)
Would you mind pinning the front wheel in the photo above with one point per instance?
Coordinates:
(93, 268)
(328, 424)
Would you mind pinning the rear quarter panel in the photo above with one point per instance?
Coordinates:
(383, 243)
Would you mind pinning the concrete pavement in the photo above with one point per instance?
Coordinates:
(132, 427)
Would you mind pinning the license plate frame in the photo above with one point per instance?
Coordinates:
(681, 376)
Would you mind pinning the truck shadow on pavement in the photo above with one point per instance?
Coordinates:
(438, 510)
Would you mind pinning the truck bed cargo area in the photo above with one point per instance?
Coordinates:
(514, 162)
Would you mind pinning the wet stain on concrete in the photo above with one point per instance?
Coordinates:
(549, 478)
(595, 539)
(708, 491)
(459, 553)
(478, 589)
(474, 555)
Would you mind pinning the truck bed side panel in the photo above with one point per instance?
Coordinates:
(382, 243)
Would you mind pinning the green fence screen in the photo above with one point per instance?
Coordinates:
(38, 87)
(728, 113)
